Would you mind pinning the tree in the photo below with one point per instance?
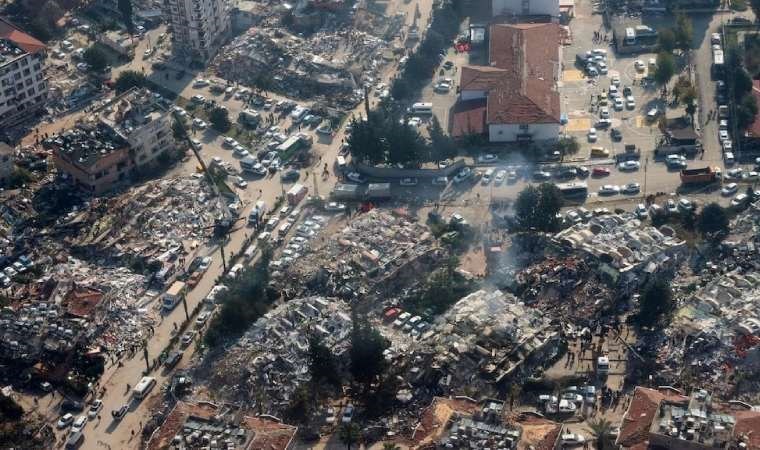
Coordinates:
(441, 145)
(746, 111)
(125, 7)
(666, 68)
(367, 347)
(322, 366)
(688, 219)
(712, 222)
(400, 90)
(350, 434)
(601, 429)
(96, 58)
(689, 100)
(566, 145)
(129, 79)
(667, 40)
(390, 446)
(742, 83)
(404, 143)
(655, 302)
(536, 208)
(220, 119)
(684, 32)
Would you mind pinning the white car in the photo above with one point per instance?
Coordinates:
(229, 142)
(196, 144)
(200, 82)
(641, 211)
(239, 150)
(462, 175)
(653, 113)
(356, 177)
(601, 67)
(729, 189)
(723, 135)
(65, 421)
(487, 158)
(334, 206)
(78, 424)
(198, 98)
(615, 80)
(630, 102)
(95, 408)
(241, 183)
(609, 189)
(408, 182)
(487, 177)
(205, 263)
(200, 124)
(618, 103)
(728, 146)
(639, 65)
(500, 176)
(604, 113)
(629, 165)
(592, 136)
(572, 439)
(739, 200)
(631, 188)
(685, 204)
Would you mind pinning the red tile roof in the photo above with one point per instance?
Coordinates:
(468, 117)
(27, 43)
(538, 434)
(754, 129)
(480, 78)
(638, 418)
(521, 80)
(748, 426)
(82, 301)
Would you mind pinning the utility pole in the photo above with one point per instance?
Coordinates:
(184, 303)
(145, 355)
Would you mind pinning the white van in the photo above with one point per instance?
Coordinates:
(341, 162)
(422, 108)
(143, 387)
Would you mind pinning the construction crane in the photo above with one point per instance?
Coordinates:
(223, 224)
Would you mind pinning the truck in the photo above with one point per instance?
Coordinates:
(291, 144)
(249, 118)
(258, 212)
(630, 153)
(698, 176)
(297, 193)
(173, 295)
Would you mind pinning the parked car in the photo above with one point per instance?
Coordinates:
(600, 171)
(119, 414)
(631, 188)
(95, 408)
(629, 165)
(739, 200)
(487, 158)
(729, 189)
(335, 207)
(356, 177)
(65, 421)
(463, 175)
(408, 182)
(78, 424)
(609, 189)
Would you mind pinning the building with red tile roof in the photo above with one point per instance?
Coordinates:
(519, 86)
(666, 419)
(753, 131)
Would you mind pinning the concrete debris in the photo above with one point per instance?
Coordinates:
(272, 357)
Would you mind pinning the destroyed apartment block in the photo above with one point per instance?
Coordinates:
(665, 418)
(462, 423)
(624, 250)
(274, 351)
(203, 425)
(489, 333)
(375, 249)
(115, 141)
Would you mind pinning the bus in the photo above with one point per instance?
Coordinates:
(143, 387)
(573, 191)
(422, 108)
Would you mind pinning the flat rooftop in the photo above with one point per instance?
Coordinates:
(86, 147)
(131, 110)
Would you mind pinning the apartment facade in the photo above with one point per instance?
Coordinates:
(23, 88)
(199, 27)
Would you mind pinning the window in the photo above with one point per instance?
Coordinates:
(25, 62)
(524, 127)
(26, 72)
(37, 66)
(30, 92)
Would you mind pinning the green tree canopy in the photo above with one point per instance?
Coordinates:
(746, 111)
(601, 429)
(350, 434)
(656, 301)
(129, 79)
(536, 208)
(125, 7)
(96, 57)
(567, 145)
(712, 222)
(742, 83)
(684, 32)
(220, 119)
(441, 145)
(666, 68)
(322, 365)
(367, 347)
(666, 40)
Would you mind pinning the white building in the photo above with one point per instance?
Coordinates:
(525, 8)
(199, 27)
(23, 89)
(515, 98)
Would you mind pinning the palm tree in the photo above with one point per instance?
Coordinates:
(601, 430)
(390, 446)
(349, 434)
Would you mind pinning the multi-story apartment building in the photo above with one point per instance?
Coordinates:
(199, 27)
(23, 88)
(115, 141)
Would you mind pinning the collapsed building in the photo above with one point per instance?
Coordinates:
(272, 357)
(377, 249)
(208, 425)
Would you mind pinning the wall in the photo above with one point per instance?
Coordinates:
(509, 132)
(85, 176)
(472, 95)
(536, 7)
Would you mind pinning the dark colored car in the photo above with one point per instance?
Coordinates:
(72, 406)
(616, 134)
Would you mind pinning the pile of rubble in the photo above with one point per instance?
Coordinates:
(375, 249)
(566, 286)
(488, 333)
(272, 357)
(142, 220)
